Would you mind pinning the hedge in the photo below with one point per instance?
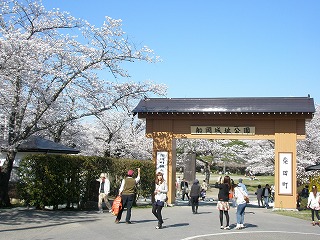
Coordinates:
(53, 180)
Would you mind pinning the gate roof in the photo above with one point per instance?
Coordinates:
(271, 105)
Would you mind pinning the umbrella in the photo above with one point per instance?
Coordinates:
(313, 167)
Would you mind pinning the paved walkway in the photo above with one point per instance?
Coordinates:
(179, 223)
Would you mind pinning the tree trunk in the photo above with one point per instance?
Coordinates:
(4, 179)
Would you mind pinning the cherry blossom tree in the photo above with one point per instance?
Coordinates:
(117, 134)
(308, 151)
(50, 72)
(260, 156)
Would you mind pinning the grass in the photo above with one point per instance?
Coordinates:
(304, 214)
(252, 185)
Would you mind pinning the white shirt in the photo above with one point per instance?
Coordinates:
(161, 191)
(313, 202)
(239, 194)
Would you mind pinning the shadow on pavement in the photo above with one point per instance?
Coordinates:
(176, 225)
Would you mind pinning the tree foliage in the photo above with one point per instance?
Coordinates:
(50, 71)
(117, 134)
(308, 151)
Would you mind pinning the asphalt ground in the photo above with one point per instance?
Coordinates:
(179, 223)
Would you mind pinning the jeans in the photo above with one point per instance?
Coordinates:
(240, 213)
(127, 201)
(266, 201)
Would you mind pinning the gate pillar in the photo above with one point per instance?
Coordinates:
(164, 142)
(285, 164)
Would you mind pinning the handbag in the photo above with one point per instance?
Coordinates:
(116, 205)
(159, 203)
(230, 195)
(245, 197)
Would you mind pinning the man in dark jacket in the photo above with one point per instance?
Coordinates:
(266, 192)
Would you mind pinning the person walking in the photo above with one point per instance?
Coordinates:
(204, 188)
(240, 195)
(259, 195)
(104, 190)
(194, 195)
(184, 189)
(314, 204)
(224, 185)
(160, 196)
(266, 192)
(127, 193)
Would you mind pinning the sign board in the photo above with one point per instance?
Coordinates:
(162, 164)
(243, 130)
(285, 174)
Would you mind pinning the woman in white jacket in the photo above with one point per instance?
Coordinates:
(160, 196)
(314, 204)
(239, 195)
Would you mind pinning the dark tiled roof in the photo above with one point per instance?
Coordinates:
(39, 144)
(222, 105)
(313, 167)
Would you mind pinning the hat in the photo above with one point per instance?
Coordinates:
(102, 175)
(240, 180)
(130, 173)
(196, 181)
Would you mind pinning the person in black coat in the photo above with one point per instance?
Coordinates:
(194, 195)
(224, 185)
(184, 188)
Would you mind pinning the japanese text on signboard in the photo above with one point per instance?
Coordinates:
(162, 163)
(285, 173)
(223, 130)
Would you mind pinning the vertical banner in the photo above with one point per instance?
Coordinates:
(285, 173)
(162, 164)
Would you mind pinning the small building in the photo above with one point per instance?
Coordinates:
(34, 145)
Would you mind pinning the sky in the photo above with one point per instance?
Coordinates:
(218, 48)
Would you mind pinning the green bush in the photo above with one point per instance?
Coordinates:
(53, 180)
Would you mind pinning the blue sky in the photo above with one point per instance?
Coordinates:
(211, 48)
